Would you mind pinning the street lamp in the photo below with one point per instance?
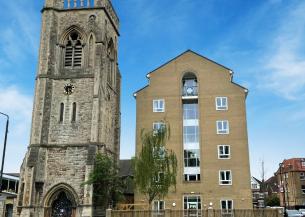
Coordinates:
(4, 148)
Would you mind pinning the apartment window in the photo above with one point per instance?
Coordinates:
(224, 152)
(158, 205)
(221, 103)
(226, 206)
(61, 112)
(302, 176)
(190, 111)
(303, 163)
(303, 189)
(286, 175)
(191, 158)
(159, 152)
(158, 105)
(159, 178)
(254, 186)
(189, 83)
(192, 203)
(225, 177)
(191, 177)
(191, 134)
(158, 126)
(222, 127)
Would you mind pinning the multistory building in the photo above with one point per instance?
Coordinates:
(206, 113)
(291, 179)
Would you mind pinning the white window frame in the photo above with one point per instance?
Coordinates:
(158, 125)
(187, 203)
(158, 211)
(303, 189)
(286, 176)
(226, 156)
(222, 130)
(223, 103)
(226, 211)
(302, 176)
(198, 177)
(158, 108)
(303, 163)
(230, 181)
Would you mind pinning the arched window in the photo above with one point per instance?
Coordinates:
(74, 50)
(189, 85)
(73, 119)
(111, 63)
(91, 51)
(61, 112)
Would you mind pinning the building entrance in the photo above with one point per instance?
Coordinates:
(62, 206)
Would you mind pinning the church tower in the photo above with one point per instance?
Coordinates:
(76, 110)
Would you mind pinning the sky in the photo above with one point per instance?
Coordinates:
(262, 41)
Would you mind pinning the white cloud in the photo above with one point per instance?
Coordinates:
(285, 63)
(19, 37)
(19, 107)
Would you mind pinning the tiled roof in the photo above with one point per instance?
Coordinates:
(293, 164)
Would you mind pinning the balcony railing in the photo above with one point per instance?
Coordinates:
(190, 91)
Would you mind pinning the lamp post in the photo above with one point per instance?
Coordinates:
(4, 148)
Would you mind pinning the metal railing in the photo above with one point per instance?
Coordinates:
(190, 91)
(198, 213)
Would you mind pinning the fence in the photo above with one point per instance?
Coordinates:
(195, 213)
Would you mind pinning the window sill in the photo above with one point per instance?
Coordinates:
(191, 182)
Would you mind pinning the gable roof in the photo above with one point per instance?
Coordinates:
(189, 51)
(293, 164)
(193, 52)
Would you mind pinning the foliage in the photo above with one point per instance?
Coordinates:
(272, 200)
(155, 167)
(108, 186)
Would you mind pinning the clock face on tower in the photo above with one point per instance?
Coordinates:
(69, 89)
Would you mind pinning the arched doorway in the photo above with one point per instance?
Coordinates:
(62, 206)
(60, 201)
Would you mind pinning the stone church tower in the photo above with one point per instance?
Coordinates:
(76, 109)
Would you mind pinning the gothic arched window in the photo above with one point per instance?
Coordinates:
(74, 50)
(111, 63)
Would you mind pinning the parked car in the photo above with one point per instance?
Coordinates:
(302, 211)
(293, 213)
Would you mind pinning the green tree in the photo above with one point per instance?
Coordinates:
(108, 186)
(272, 200)
(155, 167)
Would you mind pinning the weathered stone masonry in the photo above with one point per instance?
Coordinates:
(61, 153)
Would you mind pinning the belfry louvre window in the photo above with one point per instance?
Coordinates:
(74, 51)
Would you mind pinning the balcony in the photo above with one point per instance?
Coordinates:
(190, 92)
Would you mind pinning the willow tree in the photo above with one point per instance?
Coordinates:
(155, 167)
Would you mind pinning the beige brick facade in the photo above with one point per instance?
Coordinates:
(78, 51)
(213, 80)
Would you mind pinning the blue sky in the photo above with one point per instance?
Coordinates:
(262, 41)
